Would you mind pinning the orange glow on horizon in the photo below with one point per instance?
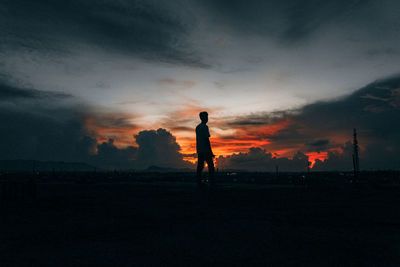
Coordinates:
(313, 156)
(245, 138)
(242, 139)
(122, 136)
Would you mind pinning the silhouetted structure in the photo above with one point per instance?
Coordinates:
(204, 151)
(356, 163)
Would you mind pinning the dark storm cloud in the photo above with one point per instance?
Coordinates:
(373, 117)
(111, 157)
(42, 134)
(258, 119)
(149, 29)
(319, 143)
(172, 31)
(258, 159)
(374, 110)
(337, 161)
(289, 21)
(42, 128)
(8, 93)
(248, 122)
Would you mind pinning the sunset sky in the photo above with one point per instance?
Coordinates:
(279, 76)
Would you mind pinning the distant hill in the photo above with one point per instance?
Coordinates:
(154, 168)
(30, 165)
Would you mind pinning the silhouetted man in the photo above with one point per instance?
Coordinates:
(204, 151)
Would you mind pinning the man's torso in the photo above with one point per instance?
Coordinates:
(202, 135)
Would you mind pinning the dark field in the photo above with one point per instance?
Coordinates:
(172, 223)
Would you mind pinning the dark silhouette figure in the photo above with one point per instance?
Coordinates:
(204, 151)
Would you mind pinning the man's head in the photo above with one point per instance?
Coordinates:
(203, 116)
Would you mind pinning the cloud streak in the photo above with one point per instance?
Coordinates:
(10, 93)
(146, 29)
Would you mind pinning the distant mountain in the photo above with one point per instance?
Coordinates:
(154, 168)
(35, 165)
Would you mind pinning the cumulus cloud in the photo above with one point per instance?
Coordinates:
(258, 159)
(109, 156)
(154, 148)
(159, 147)
(336, 160)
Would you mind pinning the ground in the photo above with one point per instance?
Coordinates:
(161, 223)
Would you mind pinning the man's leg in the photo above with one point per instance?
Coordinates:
(200, 166)
(210, 164)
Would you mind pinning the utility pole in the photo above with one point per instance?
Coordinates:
(356, 163)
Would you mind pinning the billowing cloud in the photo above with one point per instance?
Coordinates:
(258, 159)
(109, 156)
(159, 147)
(337, 160)
(154, 148)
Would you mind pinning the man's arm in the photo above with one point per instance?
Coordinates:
(209, 144)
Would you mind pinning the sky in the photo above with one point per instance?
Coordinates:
(105, 81)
